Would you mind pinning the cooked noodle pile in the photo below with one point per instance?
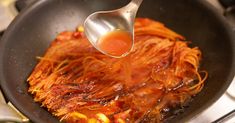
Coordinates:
(77, 83)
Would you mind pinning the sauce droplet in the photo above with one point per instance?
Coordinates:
(116, 43)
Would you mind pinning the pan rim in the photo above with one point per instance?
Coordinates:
(5, 91)
(26, 11)
(230, 77)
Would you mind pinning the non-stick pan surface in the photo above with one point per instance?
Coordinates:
(32, 31)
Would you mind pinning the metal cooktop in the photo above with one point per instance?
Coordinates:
(222, 111)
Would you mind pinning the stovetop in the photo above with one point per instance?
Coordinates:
(222, 111)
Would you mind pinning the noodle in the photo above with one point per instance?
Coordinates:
(77, 83)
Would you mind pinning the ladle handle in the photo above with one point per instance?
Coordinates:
(133, 6)
(137, 2)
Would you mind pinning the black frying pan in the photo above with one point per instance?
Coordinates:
(32, 31)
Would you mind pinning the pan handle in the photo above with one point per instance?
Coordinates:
(8, 113)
